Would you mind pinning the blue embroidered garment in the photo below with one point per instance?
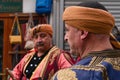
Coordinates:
(104, 65)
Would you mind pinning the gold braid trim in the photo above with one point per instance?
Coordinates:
(96, 60)
(50, 55)
(27, 60)
(105, 75)
(115, 62)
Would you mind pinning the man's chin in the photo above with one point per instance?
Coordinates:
(40, 48)
(73, 52)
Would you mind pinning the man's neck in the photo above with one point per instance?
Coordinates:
(96, 47)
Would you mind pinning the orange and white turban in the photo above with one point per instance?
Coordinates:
(42, 28)
(89, 19)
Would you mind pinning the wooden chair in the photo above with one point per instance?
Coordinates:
(3, 75)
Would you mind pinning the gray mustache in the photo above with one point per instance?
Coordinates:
(39, 44)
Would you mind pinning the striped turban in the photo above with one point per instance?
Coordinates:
(89, 19)
(115, 43)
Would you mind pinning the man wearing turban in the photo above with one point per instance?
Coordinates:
(88, 33)
(44, 60)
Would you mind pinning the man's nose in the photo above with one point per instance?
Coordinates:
(65, 38)
(39, 38)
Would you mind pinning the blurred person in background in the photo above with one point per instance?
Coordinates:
(44, 60)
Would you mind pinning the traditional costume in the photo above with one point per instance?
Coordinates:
(103, 65)
(35, 68)
(100, 65)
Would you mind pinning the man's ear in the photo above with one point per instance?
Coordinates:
(84, 34)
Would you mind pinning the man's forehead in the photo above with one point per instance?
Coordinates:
(67, 26)
(70, 27)
(41, 33)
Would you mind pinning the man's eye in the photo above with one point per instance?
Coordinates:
(42, 35)
(66, 29)
(36, 36)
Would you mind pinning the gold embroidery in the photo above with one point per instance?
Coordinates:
(100, 68)
(115, 62)
(68, 75)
